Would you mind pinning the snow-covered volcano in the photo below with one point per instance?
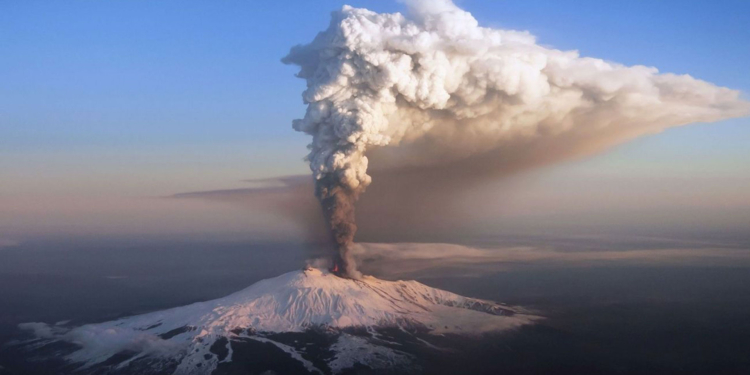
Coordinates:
(323, 322)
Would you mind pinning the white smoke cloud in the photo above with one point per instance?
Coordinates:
(441, 80)
(434, 88)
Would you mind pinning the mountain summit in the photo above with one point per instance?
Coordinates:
(325, 322)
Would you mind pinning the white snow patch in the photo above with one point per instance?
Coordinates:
(351, 350)
(289, 350)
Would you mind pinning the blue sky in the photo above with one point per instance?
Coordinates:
(149, 98)
(138, 72)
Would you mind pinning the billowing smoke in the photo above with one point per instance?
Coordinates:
(434, 89)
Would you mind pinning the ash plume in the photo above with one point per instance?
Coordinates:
(338, 199)
(433, 88)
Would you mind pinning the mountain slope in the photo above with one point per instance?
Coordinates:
(309, 305)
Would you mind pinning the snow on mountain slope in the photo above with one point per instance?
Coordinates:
(294, 302)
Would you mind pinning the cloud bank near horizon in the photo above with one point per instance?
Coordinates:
(424, 259)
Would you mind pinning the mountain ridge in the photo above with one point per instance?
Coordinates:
(199, 338)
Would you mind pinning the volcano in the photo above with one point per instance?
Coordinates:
(306, 321)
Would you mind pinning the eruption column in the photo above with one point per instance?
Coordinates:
(435, 88)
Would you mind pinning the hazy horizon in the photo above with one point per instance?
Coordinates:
(99, 125)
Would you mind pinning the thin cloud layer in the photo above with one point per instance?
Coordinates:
(415, 259)
(8, 243)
